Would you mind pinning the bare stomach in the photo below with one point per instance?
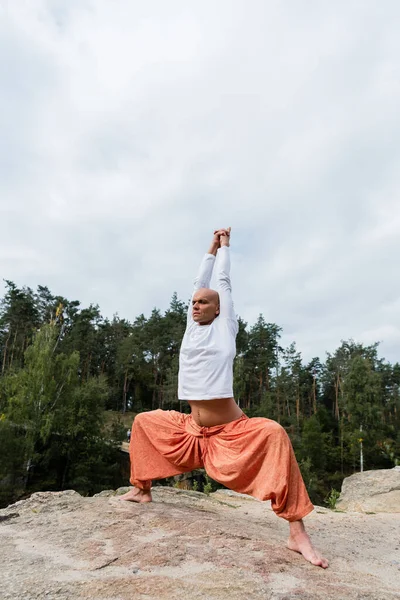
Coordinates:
(208, 413)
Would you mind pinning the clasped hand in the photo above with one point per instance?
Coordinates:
(221, 237)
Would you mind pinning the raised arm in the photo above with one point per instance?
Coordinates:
(222, 271)
(203, 277)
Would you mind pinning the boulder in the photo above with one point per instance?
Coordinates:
(225, 546)
(371, 491)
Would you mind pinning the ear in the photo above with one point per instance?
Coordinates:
(217, 310)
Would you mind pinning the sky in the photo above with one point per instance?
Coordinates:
(130, 130)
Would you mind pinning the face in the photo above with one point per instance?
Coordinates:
(205, 306)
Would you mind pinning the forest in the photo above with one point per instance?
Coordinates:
(68, 376)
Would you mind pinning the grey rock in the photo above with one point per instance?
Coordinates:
(8, 516)
(189, 545)
(371, 491)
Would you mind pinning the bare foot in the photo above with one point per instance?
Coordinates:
(299, 541)
(136, 495)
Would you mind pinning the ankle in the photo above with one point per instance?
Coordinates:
(297, 529)
(142, 492)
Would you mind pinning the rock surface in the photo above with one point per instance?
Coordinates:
(185, 545)
(371, 491)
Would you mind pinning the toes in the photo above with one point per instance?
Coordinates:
(320, 562)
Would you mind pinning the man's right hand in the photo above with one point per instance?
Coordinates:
(223, 236)
(220, 238)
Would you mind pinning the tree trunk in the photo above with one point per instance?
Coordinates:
(5, 353)
(278, 404)
(125, 392)
(288, 405)
(65, 473)
(314, 396)
(341, 444)
(337, 397)
(12, 349)
(89, 359)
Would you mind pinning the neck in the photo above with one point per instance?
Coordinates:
(206, 322)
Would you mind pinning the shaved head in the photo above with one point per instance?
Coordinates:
(205, 306)
(212, 295)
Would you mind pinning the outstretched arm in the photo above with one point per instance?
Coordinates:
(204, 274)
(223, 277)
(203, 277)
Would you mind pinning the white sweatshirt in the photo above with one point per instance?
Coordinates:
(207, 351)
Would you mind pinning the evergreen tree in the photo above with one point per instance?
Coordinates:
(52, 420)
(61, 365)
(19, 318)
(261, 358)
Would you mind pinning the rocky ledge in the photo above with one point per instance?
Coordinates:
(62, 546)
(371, 491)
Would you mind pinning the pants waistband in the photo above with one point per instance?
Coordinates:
(202, 431)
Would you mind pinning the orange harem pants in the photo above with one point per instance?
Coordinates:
(252, 456)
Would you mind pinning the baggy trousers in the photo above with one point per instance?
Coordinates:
(249, 455)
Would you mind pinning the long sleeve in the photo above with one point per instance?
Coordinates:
(223, 280)
(207, 352)
(203, 277)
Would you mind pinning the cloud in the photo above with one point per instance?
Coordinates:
(130, 131)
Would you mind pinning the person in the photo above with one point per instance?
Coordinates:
(249, 455)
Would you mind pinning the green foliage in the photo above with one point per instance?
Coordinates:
(62, 365)
(12, 452)
(117, 430)
(391, 450)
(52, 422)
(19, 316)
(309, 477)
(207, 487)
(260, 358)
(313, 444)
(332, 498)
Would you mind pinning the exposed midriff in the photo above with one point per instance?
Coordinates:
(207, 413)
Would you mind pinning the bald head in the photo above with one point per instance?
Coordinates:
(205, 306)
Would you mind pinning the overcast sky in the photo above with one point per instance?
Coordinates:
(130, 130)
